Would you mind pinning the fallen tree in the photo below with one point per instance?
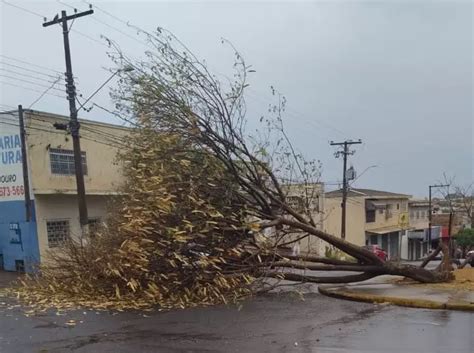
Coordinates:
(205, 210)
(179, 95)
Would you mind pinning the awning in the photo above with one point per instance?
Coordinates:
(420, 235)
(385, 230)
(379, 204)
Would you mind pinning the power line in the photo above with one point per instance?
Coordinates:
(89, 37)
(32, 128)
(26, 69)
(8, 106)
(45, 18)
(106, 12)
(25, 10)
(146, 44)
(114, 144)
(115, 114)
(25, 75)
(30, 89)
(44, 93)
(29, 63)
(106, 24)
(31, 82)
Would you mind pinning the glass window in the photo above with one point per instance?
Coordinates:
(62, 161)
(370, 216)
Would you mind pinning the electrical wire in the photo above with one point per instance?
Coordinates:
(288, 110)
(106, 12)
(44, 93)
(8, 106)
(35, 115)
(30, 89)
(29, 63)
(106, 24)
(113, 144)
(26, 69)
(23, 9)
(32, 82)
(45, 18)
(26, 75)
(89, 37)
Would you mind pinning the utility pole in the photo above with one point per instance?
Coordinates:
(430, 212)
(345, 152)
(24, 160)
(73, 123)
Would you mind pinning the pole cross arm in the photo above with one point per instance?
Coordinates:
(70, 17)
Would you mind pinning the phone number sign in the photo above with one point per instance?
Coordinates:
(11, 166)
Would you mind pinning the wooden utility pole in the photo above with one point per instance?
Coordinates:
(430, 215)
(73, 123)
(24, 161)
(345, 152)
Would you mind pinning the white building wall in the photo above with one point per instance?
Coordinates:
(65, 207)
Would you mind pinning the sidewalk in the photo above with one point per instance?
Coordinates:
(411, 295)
(6, 278)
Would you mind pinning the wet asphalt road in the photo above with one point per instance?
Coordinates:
(272, 323)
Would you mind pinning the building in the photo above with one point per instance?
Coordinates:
(417, 245)
(302, 196)
(52, 184)
(372, 217)
(305, 199)
(458, 221)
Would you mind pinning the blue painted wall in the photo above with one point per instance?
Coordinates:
(25, 247)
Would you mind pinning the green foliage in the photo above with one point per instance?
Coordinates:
(465, 238)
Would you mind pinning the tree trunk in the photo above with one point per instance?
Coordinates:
(430, 257)
(466, 261)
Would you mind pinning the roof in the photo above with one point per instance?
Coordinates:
(366, 193)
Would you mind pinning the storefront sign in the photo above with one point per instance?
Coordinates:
(11, 172)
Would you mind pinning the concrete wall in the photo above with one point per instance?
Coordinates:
(418, 216)
(315, 193)
(96, 139)
(62, 207)
(381, 219)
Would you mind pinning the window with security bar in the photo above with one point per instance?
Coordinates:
(62, 161)
(58, 232)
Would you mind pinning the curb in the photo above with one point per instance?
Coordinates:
(412, 303)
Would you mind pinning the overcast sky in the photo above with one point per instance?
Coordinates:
(396, 74)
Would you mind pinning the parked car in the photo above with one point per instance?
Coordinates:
(381, 253)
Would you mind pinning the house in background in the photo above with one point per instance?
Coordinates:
(303, 198)
(441, 220)
(54, 204)
(418, 236)
(373, 218)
